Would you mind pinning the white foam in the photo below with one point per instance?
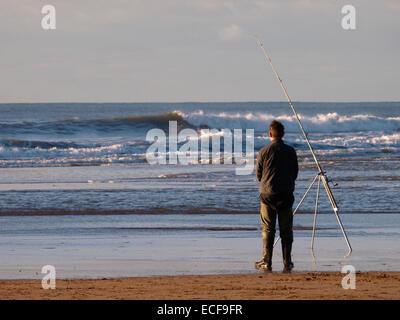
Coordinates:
(348, 140)
(329, 122)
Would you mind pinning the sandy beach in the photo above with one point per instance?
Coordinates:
(326, 285)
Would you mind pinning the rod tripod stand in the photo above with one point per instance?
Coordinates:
(320, 175)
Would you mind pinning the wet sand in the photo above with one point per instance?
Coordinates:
(323, 285)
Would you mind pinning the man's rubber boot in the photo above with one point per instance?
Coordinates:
(287, 256)
(265, 264)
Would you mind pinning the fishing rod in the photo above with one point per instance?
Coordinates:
(321, 174)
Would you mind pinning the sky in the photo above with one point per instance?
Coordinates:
(203, 50)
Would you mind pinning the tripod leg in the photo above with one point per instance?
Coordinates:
(305, 194)
(315, 218)
(301, 201)
(335, 210)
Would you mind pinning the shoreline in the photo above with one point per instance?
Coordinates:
(125, 212)
(254, 286)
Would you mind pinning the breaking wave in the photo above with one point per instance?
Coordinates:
(320, 123)
(329, 122)
(102, 126)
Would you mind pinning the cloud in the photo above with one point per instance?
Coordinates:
(230, 33)
(393, 4)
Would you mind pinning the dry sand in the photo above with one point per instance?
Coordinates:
(327, 285)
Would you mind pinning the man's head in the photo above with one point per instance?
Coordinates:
(276, 130)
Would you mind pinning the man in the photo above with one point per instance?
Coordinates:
(276, 170)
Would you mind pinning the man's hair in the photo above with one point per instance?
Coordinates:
(277, 129)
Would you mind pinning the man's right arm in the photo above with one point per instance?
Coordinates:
(295, 165)
(259, 165)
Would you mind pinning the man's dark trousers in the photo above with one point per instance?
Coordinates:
(270, 208)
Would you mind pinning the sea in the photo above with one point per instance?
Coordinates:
(78, 192)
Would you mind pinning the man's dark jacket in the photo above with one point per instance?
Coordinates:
(277, 170)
